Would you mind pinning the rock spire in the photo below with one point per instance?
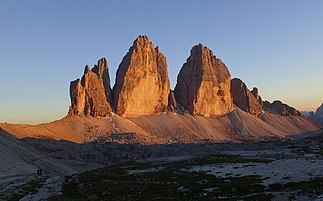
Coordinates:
(91, 96)
(142, 85)
(244, 98)
(203, 84)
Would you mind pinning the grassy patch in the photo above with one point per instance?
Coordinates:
(224, 158)
(169, 183)
(314, 186)
(29, 188)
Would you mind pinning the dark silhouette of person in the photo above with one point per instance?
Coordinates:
(39, 171)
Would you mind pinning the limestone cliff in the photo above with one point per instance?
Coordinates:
(142, 84)
(91, 96)
(255, 92)
(244, 98)
(203, 84)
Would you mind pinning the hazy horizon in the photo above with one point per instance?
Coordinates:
(275, 46)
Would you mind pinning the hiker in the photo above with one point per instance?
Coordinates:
(39, 171)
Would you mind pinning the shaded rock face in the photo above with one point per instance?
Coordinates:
(317, 115)
(319, 110)
(203, 84)
(171, 102)
(277, 107)
(142, 85)
(244, 98)
(255, 93)
(91, 96)
(269, 108)
(280, 108)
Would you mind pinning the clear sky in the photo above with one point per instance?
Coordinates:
(274, 45)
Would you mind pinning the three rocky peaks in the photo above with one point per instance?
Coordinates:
(204, 87)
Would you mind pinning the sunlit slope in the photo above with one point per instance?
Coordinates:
(167, 128)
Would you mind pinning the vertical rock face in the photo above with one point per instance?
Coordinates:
(102, 70)
(203, 84)
(244, 98)
(255, 93)
(142, 84)
(91, 96)
(171, 102)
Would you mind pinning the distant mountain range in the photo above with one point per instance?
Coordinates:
(317, 115)
(206, 104)
(204, 87)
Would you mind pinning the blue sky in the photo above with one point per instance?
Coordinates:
(274, 45)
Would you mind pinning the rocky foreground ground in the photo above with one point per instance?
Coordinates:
(274, 170)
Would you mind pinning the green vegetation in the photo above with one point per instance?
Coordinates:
(314, 186)
(29, 188)
(164, 181)
(170, 181)
(223, 158)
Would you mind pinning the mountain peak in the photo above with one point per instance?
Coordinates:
(142, 85)
(92, 95)
(203, 84)
(141, 39)
(244, 98)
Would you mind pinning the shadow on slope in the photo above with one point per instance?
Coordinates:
(112, 153)
(18, 158)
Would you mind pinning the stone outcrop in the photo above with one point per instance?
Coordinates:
(277, 107)
(269, 108)
(255, 93)
(203, 84)
(142, 85)
(244, 98)
(91, 96)
(280, 108)
(204, 87)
